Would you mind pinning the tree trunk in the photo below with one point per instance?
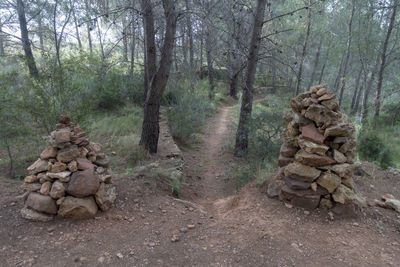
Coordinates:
(356, 92)
(2, 53)
(103, 55)
(321, 75)
(358, 99)
(242, 133)
(190, 34)
(26, 43)
(150, 127)
(316, 63)
(40, 34)
(304, 52)
(383, 59)
(149, 34)
(210, 68)
(184, 46)
(367, 89)
(133, 42)
(233, 85)
(273, 72)
(337, 80)
(124, 39)
(346, 61)
(395, 114)
(201, 47)
(10, 156)
(88, 28)
(76, 28)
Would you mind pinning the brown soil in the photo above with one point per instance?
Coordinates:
(244, 228)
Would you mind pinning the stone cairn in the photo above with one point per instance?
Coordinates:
(317, 154)
(71, 178)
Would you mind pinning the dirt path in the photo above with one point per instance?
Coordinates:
(221, 228)
(209, 163)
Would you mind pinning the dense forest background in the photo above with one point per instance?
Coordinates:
(104, 62)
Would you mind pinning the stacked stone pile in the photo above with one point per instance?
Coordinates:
(71, 178)
(317, 153)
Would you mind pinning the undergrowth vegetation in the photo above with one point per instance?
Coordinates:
(92, 92)
(190, 107)
(380, 145)
(265, 127)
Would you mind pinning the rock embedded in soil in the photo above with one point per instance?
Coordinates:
(78, 208)
(105, 196)
(325, 204)
(343, 194)
(33, 215)
(393, 203)
(274, 187)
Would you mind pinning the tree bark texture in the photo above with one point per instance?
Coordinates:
(356, 92)
(242, 134)
(2, 53)
(190, 35)
(233, 85)
(150, 126)
(304, 51)
(26, 43)
(10, 157)
(383, 59)
(210, 68)
(346, 61)
(133, 45)
(316, 61)
(150, 44)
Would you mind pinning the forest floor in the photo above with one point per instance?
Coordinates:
(214, 225)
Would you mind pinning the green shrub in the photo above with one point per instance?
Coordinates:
(190, 106)
(371, 147)
(265, 128)
(188, 115)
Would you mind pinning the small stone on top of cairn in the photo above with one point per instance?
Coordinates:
(71, 178)
(317, 154)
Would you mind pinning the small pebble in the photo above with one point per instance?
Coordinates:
(175, 238)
